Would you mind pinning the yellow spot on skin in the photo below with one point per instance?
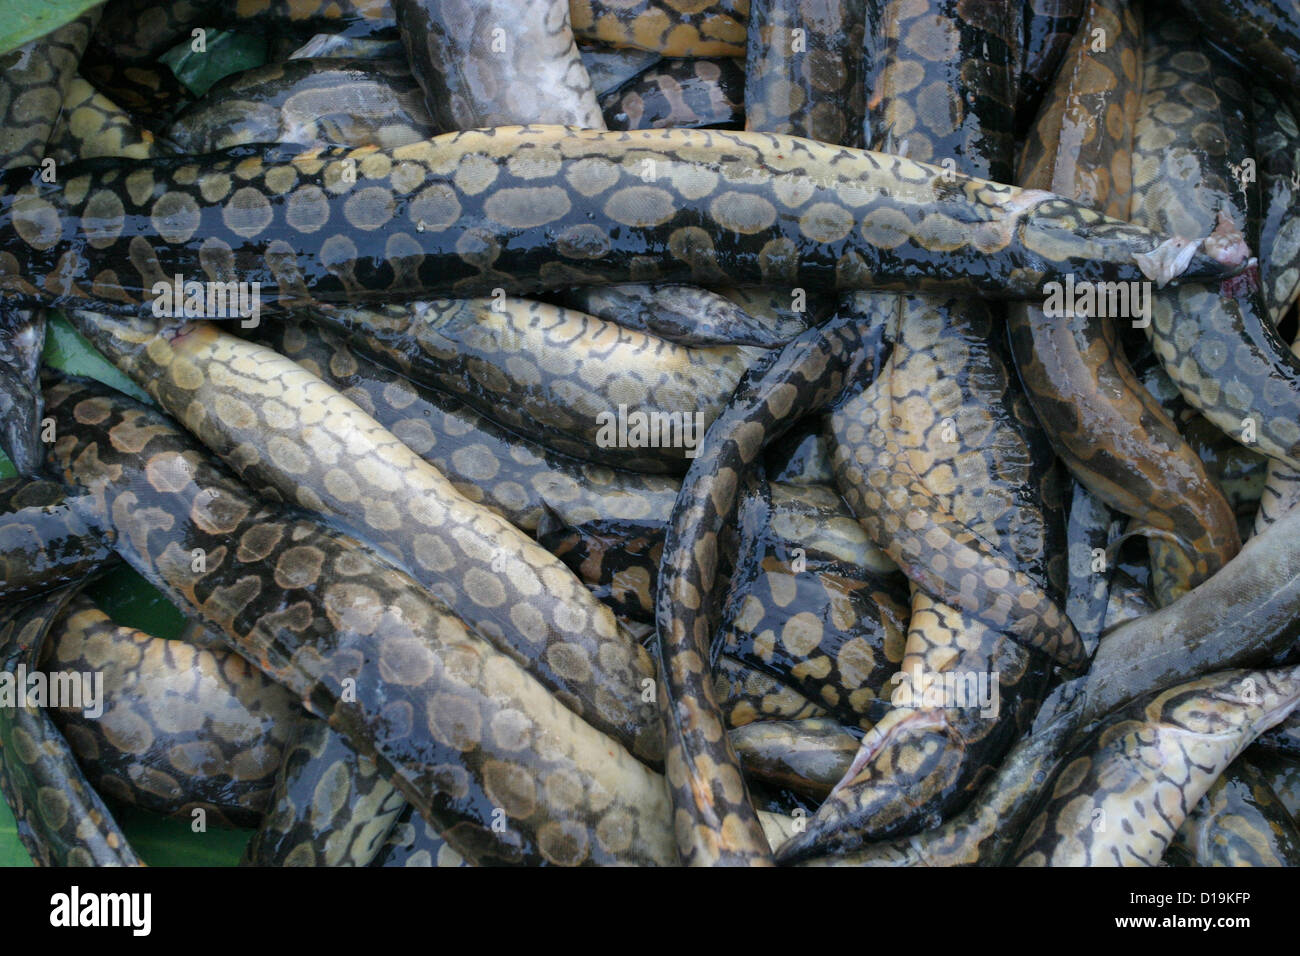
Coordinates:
(369, 208)
(640, 206)
(247, 213)
(37, 222)
(527, 208)
(742, 212)
(102, 219)
(176, 217)
(825, 222)
(591, 176)
(140, 186)
(435, 208)
(280, 179)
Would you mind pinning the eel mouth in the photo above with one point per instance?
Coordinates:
(1225, 245)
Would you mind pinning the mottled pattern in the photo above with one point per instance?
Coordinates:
(311, 102)
(34, 79)
(746, 696)
(686, 28)
(1124, 792)
(44, 541)
(293, 438)
(1277, 141)
(1264, 35)
(331, 806)
(468, 737)
(941, 82)
(142, 29)
(1103, 424)
(149, 90)
(807, 756)
(491, 62)
(682, 314)
(1239, 822)
(619, 559)
(557, 375)
(182, 729)
(947, 429)
(807, 83)
(414, 841)
(834, 632)
(681, 94)
(1281, 491)
(1245, 612)
(984, 832)
(1216, 344)
(516, 477)
(527, 208)
(938, 460)
(60, 819)
(93, 126)
(714, 820)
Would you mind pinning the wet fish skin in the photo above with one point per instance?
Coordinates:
(312, 608)
(44, 541)
(182, 728)
(60, 819)
(1147, 765)
(293, 438)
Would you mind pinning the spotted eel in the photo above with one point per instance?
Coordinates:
(519, 479)
(182, 728)
(714, 820)
(62, 820)
(34, 79)
(1104, 425)
(1216, 344)
(331, 806)
(987, 829)
(1123, 793)
(527, 208)
(942, 454)
(293, 438)
(461, 729)
(568, 379)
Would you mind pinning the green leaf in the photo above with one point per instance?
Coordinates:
(131, 601)
(161, 841)
(12, 851)
(24, 20)
(66, 349)
(225, 52)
